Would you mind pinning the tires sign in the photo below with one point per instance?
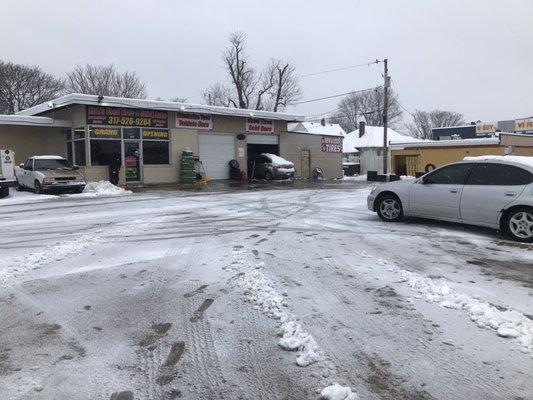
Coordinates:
(331, 144)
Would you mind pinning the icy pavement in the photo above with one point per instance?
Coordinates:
(278, 294)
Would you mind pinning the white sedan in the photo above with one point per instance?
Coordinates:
(491, 191)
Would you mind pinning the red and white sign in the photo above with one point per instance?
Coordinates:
(331, 144)
(258, 125)
(194, 121)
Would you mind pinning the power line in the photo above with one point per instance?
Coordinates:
(339, 69)
(337, 95)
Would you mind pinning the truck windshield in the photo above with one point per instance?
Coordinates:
(51, 163)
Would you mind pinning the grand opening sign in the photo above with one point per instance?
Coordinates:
(194, 121)
(331, 144)
(259, 125)
(101, 115)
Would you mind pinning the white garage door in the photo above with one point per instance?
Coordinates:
(215, 153)
(262, 139)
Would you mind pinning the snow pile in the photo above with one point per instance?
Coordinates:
(277, 160)
(524, 160)
(354, 178)
(104, 188)
(260, 291)
(508, 323)
(295, 338)
(338, 392)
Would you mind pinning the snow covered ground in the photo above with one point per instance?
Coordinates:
(262, 294)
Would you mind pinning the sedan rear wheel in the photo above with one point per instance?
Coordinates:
(389, 208)
(519, 224)
(38, 188)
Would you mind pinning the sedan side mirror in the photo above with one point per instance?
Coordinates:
(21, 165)
(75, 167)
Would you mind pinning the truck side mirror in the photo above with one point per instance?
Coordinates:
(21, 165)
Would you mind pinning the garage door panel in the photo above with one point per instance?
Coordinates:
(262, 139)
(215, 153)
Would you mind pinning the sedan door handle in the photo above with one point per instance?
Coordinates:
(453, 190)
(510, 194)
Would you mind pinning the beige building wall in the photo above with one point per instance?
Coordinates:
(439, 156)
(27, 141)
(292, 144)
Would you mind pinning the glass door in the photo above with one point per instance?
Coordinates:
(132, 161)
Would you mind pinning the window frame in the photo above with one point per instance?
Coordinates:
(509, 166)
(429, 181)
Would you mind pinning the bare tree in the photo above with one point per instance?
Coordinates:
(105, 80)
(24, 86)
(424, 121)
(367, 106)
(274, 88)
(218, 95)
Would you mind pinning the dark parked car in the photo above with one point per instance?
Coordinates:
(270, 166)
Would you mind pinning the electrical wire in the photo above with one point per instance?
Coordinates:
(337, 95)
(339, 69)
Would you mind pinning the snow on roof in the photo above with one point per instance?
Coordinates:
(87, 99)
(373, 137)
(316, 128)
(522, 160)
(48, 158)
(277, 160)
(446, 143)
(33, 121)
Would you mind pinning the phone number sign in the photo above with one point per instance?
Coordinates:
(100, 115)
(331, 144)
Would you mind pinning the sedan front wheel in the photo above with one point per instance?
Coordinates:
(519, 224)
(389, 208)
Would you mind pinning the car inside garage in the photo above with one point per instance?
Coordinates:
(258, 144)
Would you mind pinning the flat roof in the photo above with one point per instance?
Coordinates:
(447, 143)
(453, 127)
(33, 121)
(87, 99)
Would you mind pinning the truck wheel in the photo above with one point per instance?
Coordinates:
(38, 188)
(268, 176)
(19, 187)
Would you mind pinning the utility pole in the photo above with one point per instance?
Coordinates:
(385, 115)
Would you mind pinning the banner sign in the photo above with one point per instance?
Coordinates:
(259, 125)
(100, 115)
(104, 133)
(155, 134)
(483, 128)
(522, 125)
(194, 121)
(331, 144)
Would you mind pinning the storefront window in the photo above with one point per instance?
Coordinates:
(69, 152)
(131, 133)
(155, 152)
(79, 133)
(103, 150)
(79, 152)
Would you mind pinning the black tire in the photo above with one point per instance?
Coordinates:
(518, 224)
(234, 164)
(4, 191)
(18, 186)
(389, 208)
(38, 187)
(268, 175)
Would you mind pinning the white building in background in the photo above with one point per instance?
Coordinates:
(364, 146)
(316, 128)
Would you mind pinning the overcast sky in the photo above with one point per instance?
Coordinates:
(472, 56)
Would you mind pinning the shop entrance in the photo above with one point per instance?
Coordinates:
(132, 162)
(253, 150)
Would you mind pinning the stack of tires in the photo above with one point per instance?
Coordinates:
(234, 170)
(187, 171)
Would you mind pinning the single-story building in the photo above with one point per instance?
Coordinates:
(417, 157)
(483, 129)
(150, 136)
(365, 146)
(315, 144)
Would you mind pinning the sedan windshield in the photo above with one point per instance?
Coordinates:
(52, 163)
